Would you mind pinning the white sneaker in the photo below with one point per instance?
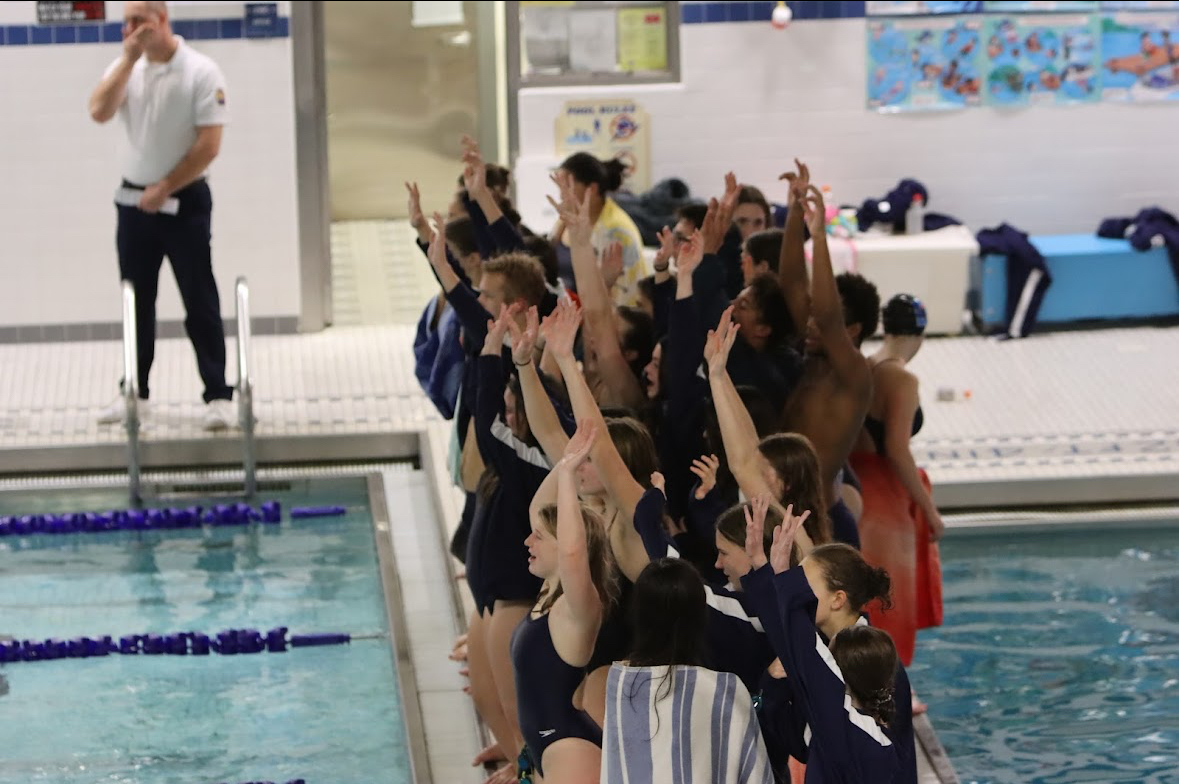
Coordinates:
(116, 412)
(220, 415)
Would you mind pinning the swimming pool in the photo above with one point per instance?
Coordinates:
(1059, 658)
(320, 714)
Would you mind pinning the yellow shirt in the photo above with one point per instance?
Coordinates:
(614, 225)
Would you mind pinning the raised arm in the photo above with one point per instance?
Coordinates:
(616, 478)
(826, 306)
(738, 432)
(584, 603)
(417, 218)
(792, 273)
(615, 384)
(111, 91)
(538, 407)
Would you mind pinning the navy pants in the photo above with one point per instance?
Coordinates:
(143, 239)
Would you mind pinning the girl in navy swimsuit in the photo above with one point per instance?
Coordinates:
(551, 647)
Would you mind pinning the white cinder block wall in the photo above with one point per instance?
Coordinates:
(58, 173)
(752, 98)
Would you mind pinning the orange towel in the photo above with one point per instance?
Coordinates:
(894, 534)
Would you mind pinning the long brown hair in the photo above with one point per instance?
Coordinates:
(603, 571)
(794, 460)
(635, 446)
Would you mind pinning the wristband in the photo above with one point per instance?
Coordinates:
(521, 364)
(664, 268)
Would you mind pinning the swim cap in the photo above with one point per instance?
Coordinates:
(904, 315)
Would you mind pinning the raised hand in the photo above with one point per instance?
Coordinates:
(728, 202)
(560, 329)
(574, 216)
(417, 218)
(755, 523)
(784, 536)
(524, 340)
(611, 264)
(436, 252)
(691, 254)
(712, 231)
(493, 344)
(799, 181)
(667, 247)
(579, 446)
(720, 342)
(705, 467)
(816, 211)
(659, 483)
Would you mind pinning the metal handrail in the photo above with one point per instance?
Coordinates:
(131, 389)
(245, 387)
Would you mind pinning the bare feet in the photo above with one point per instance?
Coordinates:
(492, 753)
(919, 707)
(458, 651)
(465, 672)
(461, 574)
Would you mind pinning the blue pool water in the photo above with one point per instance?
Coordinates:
(1059, 658)
(322, 714)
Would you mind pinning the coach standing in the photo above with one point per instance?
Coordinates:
(171, 100)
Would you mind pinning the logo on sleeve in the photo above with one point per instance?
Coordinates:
(546, 733)
(219, 96)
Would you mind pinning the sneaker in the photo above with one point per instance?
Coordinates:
(116, 412)
(220, 415)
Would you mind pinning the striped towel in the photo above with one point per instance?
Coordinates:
(689, 726)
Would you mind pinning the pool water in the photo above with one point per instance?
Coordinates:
(321, 714)
(1059, 658)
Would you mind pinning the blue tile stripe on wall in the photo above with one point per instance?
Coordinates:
(112, 32)
(759, 11)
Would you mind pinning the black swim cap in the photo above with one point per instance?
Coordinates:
(904, 315)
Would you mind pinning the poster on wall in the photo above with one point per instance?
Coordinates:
(1038, 60)
(1140, 5)
(1140, 57)
(608, 128)
(927, 64)
(920, 7)
(1039, 6)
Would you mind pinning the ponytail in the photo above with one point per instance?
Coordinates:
(615, 170)
(846, 570)
(868, 660)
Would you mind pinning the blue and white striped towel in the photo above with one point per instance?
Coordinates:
(696, 727)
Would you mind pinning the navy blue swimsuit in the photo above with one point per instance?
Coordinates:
(545, 686)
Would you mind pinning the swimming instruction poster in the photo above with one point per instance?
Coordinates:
(1140, 57)
(924, 64)
(920, 7)
(1038, 60)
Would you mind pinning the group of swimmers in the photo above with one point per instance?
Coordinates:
(687, 487)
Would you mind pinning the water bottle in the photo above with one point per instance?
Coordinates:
(915, 216)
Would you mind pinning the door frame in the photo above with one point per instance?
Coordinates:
(311, 139)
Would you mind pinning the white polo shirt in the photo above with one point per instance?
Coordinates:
(164, 105)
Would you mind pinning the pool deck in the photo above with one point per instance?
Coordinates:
(1073, 417)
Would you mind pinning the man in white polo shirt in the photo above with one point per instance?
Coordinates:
(171, 100)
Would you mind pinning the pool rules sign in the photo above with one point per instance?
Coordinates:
(608, 128)
(55, 12)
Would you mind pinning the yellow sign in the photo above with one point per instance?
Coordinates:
(642, 39)
(608, 128)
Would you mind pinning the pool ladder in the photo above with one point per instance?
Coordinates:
(245, 390)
